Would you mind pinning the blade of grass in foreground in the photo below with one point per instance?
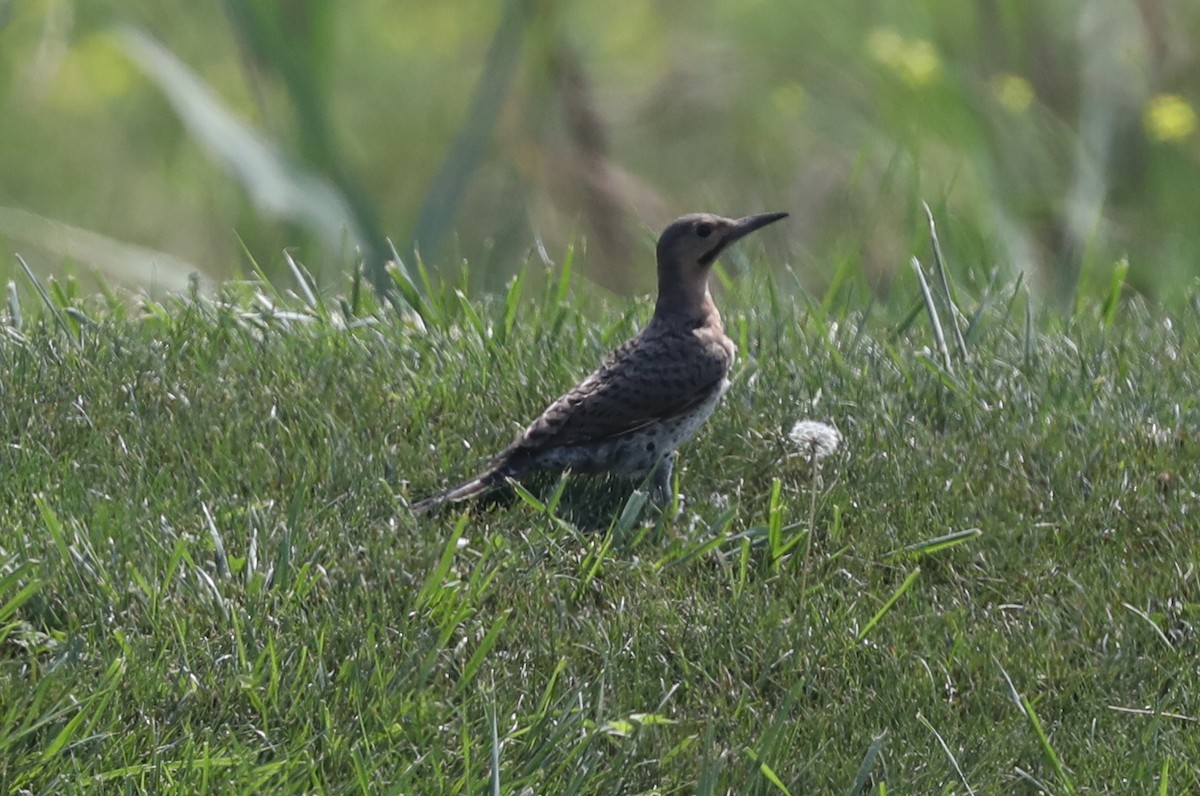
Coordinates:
(768, 773)
(717, 535)
(49, 302)
(16, 318)
(9, 607)
(934, 320)
(882, 612)
(868, 763)
(93, 705)
(947, 290)
(495, 754)
(1047, 747)
(437, 576)
(935, 545)
(1116, 286)
(481, 652)
(1026, 707)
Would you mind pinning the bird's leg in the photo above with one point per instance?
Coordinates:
(660, 480)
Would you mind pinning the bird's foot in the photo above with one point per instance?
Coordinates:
(662, 486)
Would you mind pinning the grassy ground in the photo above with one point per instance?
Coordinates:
(209, 580)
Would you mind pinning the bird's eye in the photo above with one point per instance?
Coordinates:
(704, 230)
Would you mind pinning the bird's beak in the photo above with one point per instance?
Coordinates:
(740, 229)
(744, 226)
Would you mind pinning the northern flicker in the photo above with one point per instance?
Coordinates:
(649, 395)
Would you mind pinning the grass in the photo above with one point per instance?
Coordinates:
(209, 580)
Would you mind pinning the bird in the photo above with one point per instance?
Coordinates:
(649, 395)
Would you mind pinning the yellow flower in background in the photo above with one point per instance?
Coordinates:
(789, 99)
(885, 45)
(915, 61)
(93, 71)
(1168, 117)
(921, 63)
(1013, 92)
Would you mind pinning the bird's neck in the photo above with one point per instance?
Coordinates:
(686, 302)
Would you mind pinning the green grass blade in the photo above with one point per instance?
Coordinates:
(949, 754)
(308, 286)
(354, 304)
(55, 312)
(560, 489)
(934, 320)
(564, 277)
(432, 587)
(481, 652)
(55, 527)
(495, 774)
(530, 499)
(10, 606)
(89, 707)
(868, 765)
(882, 612)
(1047, 747)
(936, 545)
(15, 317)
(403, 285)
(717, 535)
(593, 564)
(631, 512)
(939, 263)
(218, 543)
(768, 773)
(473, 318)
(775, 523)
(1116, 288)
(512, 303)
(65, 734)
(1028, 351)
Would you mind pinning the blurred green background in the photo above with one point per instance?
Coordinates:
(146, 139)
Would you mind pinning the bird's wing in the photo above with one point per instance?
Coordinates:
(650, 378)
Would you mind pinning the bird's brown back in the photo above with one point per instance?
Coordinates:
(663, 373)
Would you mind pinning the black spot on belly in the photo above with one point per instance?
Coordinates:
(651, 447)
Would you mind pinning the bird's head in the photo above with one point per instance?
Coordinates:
(687, 249)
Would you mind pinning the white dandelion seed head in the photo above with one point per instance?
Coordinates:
(815, 439)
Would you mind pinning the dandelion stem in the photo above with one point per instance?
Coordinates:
(812, 516)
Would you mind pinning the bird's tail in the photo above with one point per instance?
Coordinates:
(475, 487)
